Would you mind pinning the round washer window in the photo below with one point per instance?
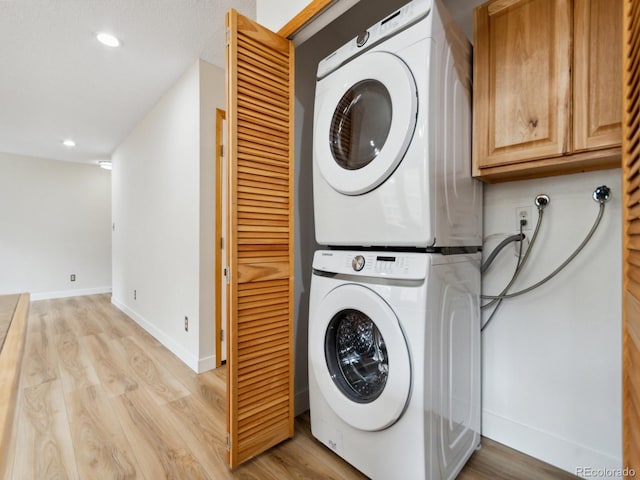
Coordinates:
(360, 125)
(374, 366)
(356, 356)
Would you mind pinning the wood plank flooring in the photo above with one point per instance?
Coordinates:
(14, 314)
(101, 399)
(7, 306)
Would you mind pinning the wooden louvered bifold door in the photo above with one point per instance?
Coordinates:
(260, 139)
(631, 237)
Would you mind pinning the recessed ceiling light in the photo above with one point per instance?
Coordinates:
(106, 164)
(69, 143)
(107, 39)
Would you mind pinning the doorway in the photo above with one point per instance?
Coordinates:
(221, 269)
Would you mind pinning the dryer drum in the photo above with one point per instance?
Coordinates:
(356, 356)
(361, 124)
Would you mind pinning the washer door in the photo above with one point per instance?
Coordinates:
(365, 121)
(359, 357)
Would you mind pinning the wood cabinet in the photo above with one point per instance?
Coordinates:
(547, 87)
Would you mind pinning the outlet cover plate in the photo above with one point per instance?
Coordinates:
(524, 213)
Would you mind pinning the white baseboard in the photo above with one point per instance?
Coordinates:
(565, 454)
(207, 363)
(70, 293)
(178, 350)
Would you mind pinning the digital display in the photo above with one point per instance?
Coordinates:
(390, 17)
(386, 259)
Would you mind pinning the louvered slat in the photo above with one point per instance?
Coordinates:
(248, 372)
(634, 227)
(633, 258)
(260, 365)
(633, 197)
(631, 235)
(259, 327)
(269, 287)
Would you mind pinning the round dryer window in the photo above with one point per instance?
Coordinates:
(365, 120)
(359, 357)
(360, 124)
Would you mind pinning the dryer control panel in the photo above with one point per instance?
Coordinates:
(409, 14)
(407, 266)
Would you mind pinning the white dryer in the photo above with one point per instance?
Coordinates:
(394, 361)
(392, 136)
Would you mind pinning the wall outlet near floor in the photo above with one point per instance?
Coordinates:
(523, 213)
(135, 294)
(186, 324)
(73, 277)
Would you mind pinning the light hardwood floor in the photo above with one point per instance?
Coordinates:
(7, 306)
(101, 399)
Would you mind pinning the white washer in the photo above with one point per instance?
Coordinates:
(394, 360)
(392, 136)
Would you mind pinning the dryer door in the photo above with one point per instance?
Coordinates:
(365, 119)
(360, 357)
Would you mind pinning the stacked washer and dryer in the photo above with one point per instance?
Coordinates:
(394, 315)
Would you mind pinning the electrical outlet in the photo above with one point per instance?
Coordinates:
(523, 213)
(73, 277)
(186, 324)
(135, 294)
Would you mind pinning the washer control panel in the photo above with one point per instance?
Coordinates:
(358, 263)
(409, 266)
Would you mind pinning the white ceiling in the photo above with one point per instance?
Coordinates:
(57, 81)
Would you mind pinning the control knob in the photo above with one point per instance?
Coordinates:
(362, 38)
(357, 263)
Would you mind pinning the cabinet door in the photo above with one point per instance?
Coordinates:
(597, 65)
(522, 81)
(631, 241)
(260, 361)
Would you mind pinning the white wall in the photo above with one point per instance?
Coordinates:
(552, 358)
(162, 181)
(55, 220)
(274, 14)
